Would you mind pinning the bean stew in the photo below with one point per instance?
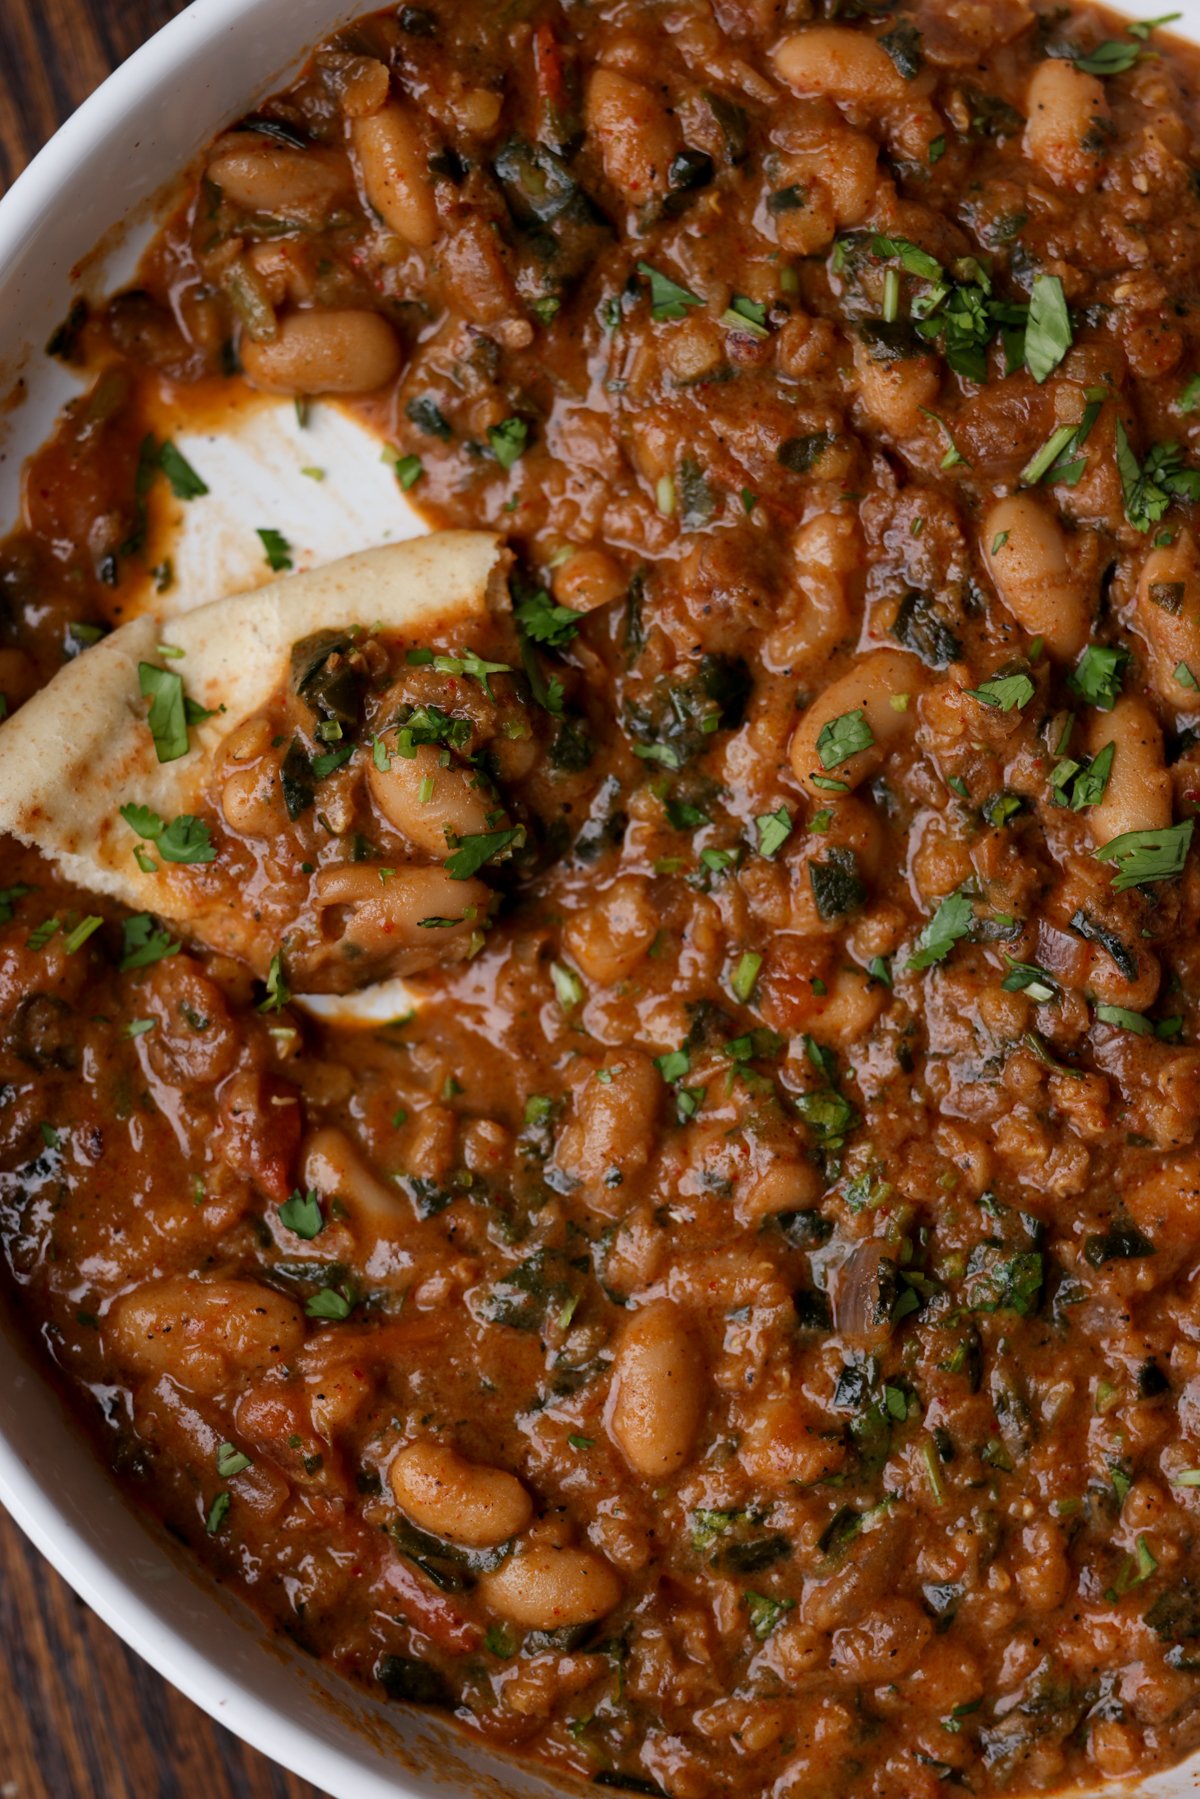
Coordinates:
(738, 1330)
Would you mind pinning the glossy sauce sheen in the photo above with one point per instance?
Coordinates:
(746, 1336)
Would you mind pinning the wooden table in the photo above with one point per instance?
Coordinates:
(81, 1716)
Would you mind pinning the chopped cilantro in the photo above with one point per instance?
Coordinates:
(276, 548)
(1143, 856)
(1048, 332)
(231, 1461)
(843, 737)
(952, 921)
(1189, 399)
(667, 299)
(278, 991)
(745, 315)
(1004, 692)
(547, 623)
(1028, 977)
(913, 260)
(143, 944)
(508, 440)
(774, 829)
(1125, 1020)
(1098, 675)
(474, 851)
(217, 1512)
(41, 934)
(185, 482)
(301, 1214)
(953, 456)
(328, 760)
(407, 470)
(469, 664)
(83, 930)
(170, 711)
(329, 1304)
(185, 839)
(1150, 487)
(568, 987)
(673, 1065)
(1112, 57)
(765, 1612)
(745, 976)
(1078, 785)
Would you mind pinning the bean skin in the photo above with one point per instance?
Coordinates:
(658, 1390)
(442, 1492)
(549, 1588)
(325, 352)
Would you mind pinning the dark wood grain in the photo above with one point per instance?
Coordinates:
(81, 1716)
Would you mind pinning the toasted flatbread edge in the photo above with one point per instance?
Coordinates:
(81, 747)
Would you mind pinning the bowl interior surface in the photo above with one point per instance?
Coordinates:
(97, 184)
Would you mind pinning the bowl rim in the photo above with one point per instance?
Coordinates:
(284, 1738)
(31, 1501)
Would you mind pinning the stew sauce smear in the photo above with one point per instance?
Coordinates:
(742, 1332)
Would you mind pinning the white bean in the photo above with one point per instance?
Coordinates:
(658, 1390)
(466, 1502)
(550, 1589)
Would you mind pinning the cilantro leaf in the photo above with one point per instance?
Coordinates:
(278, 992)
(185, 839)
(912, 259)
(169, 715)
(408, 471)
(330, 1304)
(673, 1065)
(765, 1613)
(1004, 692)
(217, 1512)
(1143, 856)
(667, 299)
(508, 440)
(1078, 785)
(544, 621)
(301, 1214)
(1125, 1020)
(1028, 977)
(774, 829)
(953, 920)
(328, 760)
(746, 315)
(473, 851)
(1112, 57)
(276, 548)
(1098, 675)
(143, 943)
(1150, 487)
(185, 482)
(143, 819)
(843, 737)
(1048, 334)
(231, 1461)
(469, 664)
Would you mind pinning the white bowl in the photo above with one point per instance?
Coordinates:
(98, 178)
